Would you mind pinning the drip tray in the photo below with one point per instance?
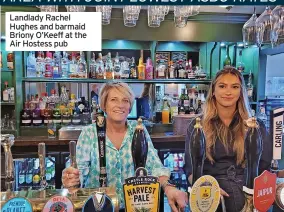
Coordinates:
(70, 132)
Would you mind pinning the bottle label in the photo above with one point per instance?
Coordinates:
(29, 178)
(81, 107)
(172, 74)
(21, 178)
(66, 121)
(26, 121)
(186, 103)
(161, 73)
(48, 176)
(37, 121)
(36, 179)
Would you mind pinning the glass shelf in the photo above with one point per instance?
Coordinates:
(7, 70)
(7, 103)
(178, 81)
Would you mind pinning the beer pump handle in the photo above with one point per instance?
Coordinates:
(7, 141)
(72, 151)
(41, 156)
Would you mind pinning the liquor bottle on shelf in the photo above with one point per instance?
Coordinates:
(6, 93)
(76, 118)
(31, 65)
(117, 67)
(26, 119)
(181, 72)
(40, 65)
(64, 99)
(133, 69)
(186, 101)
(161, 71)
(199, 108)
(73, 66)
(85, 117)
(190, 73)
(240, 64)
(141, 69)
(10, 60)
(158, 107)
(165, 113)
(109, 67)
(171, 70)
(82, 66)
(66, 117)
(124, 70)
(100, 74)
(174, 106)
(262, 115)
(149, 69)
(250, 87)
(93, 66)
(191, 109)
(227, 61)
(65, 65)
(57, 65)
(48, 65)
(47, 114)
(71, 104)
(181, 100)
(36, 117)
(56, 116)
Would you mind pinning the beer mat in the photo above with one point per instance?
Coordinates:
(17, 204)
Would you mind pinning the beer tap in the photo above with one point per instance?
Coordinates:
(41, 156)
(139, 148)
(197, 150)
(253, 151)
(7, 141)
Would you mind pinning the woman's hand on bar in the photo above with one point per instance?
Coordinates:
(70, 177)
(176, 197)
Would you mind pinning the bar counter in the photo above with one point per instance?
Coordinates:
(160, 140)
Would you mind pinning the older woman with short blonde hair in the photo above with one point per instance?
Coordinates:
(116, 100)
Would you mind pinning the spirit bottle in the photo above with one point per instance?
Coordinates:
(191, 109)
(227, 61)
(65, 65)
(36, 117)
(93, 66)
(166, 113)
(31, 65)
(141, 69)
(73, 66)
(109, 67)
(125, 72)
(240, 64)
(56, 65)
(116, 67)
(6, 93)
(26, 119)
(10, 60)
(250, 87)
(100, 68)
(262, 115)
(186, 102)
(48, 65)
(149, 69)
(171, 70)
(133, 69)
(82, 67)
(40, 66)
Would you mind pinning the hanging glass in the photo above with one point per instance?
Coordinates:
(249, 30)
(277, 17)
(264, 27)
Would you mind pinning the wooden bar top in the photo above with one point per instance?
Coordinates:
(35, 140)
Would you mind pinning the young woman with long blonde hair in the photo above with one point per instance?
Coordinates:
(226, 109)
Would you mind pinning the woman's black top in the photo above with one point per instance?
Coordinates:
(223, 160)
